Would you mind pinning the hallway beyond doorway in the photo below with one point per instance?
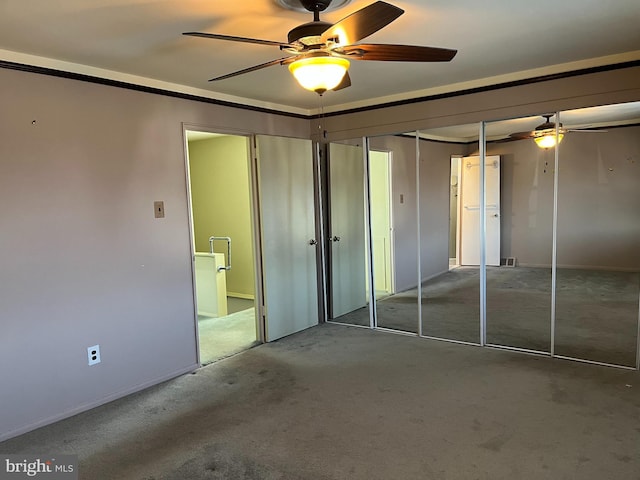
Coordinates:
(221, 213)
(225, 336)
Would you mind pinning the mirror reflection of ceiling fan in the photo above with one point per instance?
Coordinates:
(545, 134)
(319, 52)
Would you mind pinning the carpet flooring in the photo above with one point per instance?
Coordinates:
(224, 336)
(596, 311)
(344, 403)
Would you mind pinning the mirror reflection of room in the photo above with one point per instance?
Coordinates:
(561, 228)
(518, 287)
(394, 198)
(592, 314)
(598, 234)
(347, 250)
(450, 233)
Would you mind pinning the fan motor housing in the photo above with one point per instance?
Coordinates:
(312, 5)
(315, 5)
(310, 29)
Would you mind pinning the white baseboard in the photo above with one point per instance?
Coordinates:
(246, 296)
(434, 275)
(581, 267)
(424, 279)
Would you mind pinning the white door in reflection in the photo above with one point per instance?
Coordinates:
(470, 228)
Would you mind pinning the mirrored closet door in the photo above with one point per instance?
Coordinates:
(347, 250)
(519, 188)
(394, 231)
(598, 259)
(450, 233)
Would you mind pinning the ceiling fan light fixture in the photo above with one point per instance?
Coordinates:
(319, 73)
(545, 134)
(548, 140)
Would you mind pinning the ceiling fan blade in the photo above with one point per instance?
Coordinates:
(396, 53)
(503, 140)
(362, 23)
(279, 61)
(232, 38)
(346, 82)
(521, 135)
(586, 130)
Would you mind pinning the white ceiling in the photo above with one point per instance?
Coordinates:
(590, 118)
(140, 41)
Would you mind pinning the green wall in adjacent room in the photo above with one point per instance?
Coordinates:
(221, 203)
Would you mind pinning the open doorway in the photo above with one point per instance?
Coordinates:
(454, 208)
(222, 233)
(381, 218)
(464, 209)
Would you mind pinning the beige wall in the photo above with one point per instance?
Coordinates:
(403, 206)
(221, 203)
(599, 190)
(84, 261)
(526, 201)
(599, 200)
(598, 194)
(527, 189)
(435, 186)
(434, 205)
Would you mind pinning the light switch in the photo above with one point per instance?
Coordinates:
(158, 208)
(401, 198)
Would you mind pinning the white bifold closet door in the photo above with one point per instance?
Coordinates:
(287, 221)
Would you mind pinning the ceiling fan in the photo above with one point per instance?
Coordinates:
(545, 134)
(319, 52)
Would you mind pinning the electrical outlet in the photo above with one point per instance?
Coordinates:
(93, 354)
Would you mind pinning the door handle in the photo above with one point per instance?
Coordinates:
(313, 242)
(335, 238)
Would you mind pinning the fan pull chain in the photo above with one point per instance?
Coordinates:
(323, 133)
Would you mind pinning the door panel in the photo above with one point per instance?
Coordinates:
(393, 159)
(598, 234)
(450, 307)
(470, 214)
(287, 214)
(347, 233)
(518, 305)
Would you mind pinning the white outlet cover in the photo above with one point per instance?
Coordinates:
(93, 355)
